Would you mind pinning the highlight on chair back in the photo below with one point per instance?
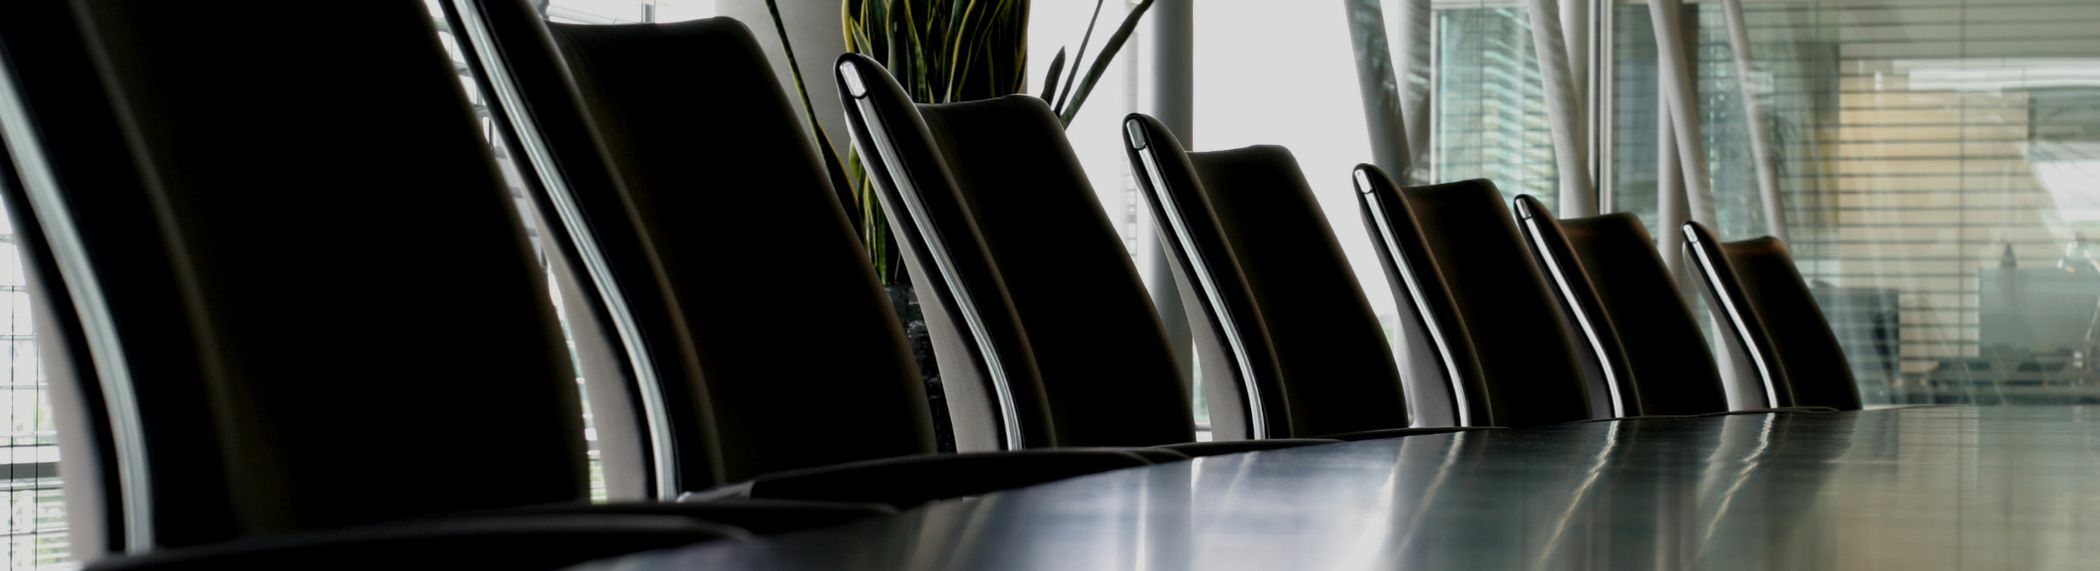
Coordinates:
(1775, 320)
(993, 212)
(1284, 323)
(1453, 252)
(1627, 310)
(278, 279)
(662, 179)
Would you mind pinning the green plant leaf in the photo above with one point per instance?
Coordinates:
(1079, 56)
(833, 168)
(940, 51)
(1108, 55)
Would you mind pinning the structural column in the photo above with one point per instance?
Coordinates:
(1168, 57)
(1767, 165)
(1564, 107)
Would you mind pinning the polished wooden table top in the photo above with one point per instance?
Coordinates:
(1915, 488)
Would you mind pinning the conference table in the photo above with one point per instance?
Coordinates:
(1909, 488)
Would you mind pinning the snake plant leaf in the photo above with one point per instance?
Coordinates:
(940, 51)
(833, 167)
(1108, 55)
(1080, 56)
(1057, 68)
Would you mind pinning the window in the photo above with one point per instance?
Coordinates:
(1297, 87)
(627, 11)
(1938, 161)
(1284, 74)
(1097, 131)
(33, 502)
(1489, 106)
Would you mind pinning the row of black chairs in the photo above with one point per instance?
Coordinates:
(291, 314)
(998, 218)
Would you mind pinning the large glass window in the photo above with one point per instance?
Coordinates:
(29, 487)
(1938, 161)
(1283, 74)
(1489, 112)
(1096, 132)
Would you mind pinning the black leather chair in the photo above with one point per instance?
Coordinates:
(1627, 309)
(1020, 269)
(1453, 253)
(1286, 329)
(292, 305)
(1775, 320)
(685, 182)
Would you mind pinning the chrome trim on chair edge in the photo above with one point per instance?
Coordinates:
(1414, 292)
(886, 152)
(1256, 417)
(1589, 332)
(105, 348)
(655, 414)
(1735, 317)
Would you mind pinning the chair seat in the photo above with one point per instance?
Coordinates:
(913, 480)
(495, 542)
(757, 516)
(1404, 432)
(1201, 449)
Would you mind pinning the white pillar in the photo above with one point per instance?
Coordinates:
(1678, 92)
(1564, 108)
(1670, 210)
(1576, 24)
(1168, 57)
(1380, 90)
(1768, 192)
(1577, 28)
(1412, 68)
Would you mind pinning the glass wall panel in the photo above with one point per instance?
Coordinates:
(1283, 74)
(1270, 73)
(1938, 162)
(1096, 132)
(30, 497)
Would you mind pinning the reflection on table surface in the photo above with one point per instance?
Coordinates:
(1930, 487)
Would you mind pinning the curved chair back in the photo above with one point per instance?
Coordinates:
(1627, 310)
(992, 208)
(1453, 252)
(1250, 241)
(689, 170)
(285, 279)
(93, 485)
(1775, 320)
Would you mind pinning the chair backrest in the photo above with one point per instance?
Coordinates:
(1627, 310)
(1452, 251)
(93, 505)
(678, 144)
(655, 438)
(1247, 234)
(292, 261)
(994, 187)
(1774, 319)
